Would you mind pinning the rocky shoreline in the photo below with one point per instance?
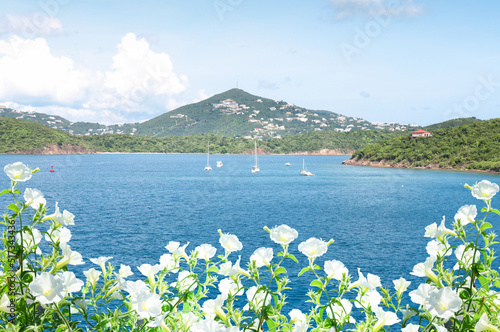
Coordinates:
(388, 164)
(55, 149)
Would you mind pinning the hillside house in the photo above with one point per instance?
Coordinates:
(420, 133)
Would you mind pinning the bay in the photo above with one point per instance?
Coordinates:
(129, 206)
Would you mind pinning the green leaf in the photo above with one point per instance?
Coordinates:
(271, 325)
(485, 226)
(292, 257)
(13, 207)
(304, 270)
(484, 283)
(3, 192)
(279, 270)
(317, 283)
(316, 267)
(185, 307)
(213, 269)
(16, 191)
(495, 211)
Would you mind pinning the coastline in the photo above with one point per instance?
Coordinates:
(387, 164)
(67, 149)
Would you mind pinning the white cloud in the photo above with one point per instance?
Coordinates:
(30, 72)
(139, 76)
(30, 26)
(347, 8)
(140, 83)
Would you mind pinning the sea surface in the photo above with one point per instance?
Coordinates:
(129, 206)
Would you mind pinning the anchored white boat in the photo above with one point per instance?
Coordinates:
(304, 170)
(255, 168)
(208, 168)
(219, 163)
(287, 164)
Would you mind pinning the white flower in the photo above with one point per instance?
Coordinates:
(101, 261)
(384, 318)
(205, 251)
(466, 257)
(18, 172)
(175, 249)
(340, 311)
(436, 248)
(66, 218)
(188, 319)
(150, 271)
(70, 257)
(313, 247)
(159, 321)
(400, 285)
(228, 286)
(262, 256)
(466, 214)
(444, 303)
(47, 288)
(421, 294)
(34, 198)
(335, 269)
(212, 308)
(185, 281)
(484, 324)
(92, 276)
(61, 234)
(283, 234)
(369, 299)
(5, 304)
(135, 287)
(29, 240)
(256, 297)
(425, 269)
(207, 325)
(372, 281)
(147, 304)
(410, 328)
(360, 282)
(71, 283)
(230, 243)
(125, 271)
(168, 261)
(296, 316)
(484, 190)
(433, 231)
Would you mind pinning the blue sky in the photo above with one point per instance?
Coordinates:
(405, 61)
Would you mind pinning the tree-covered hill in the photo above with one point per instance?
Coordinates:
(451, 123)
(471, 146)
(26, 136)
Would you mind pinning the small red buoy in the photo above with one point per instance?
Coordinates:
(52, 168)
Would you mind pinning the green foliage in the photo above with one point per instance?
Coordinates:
(24, 136)
(471, 146)
(451, 123)
(18, 136)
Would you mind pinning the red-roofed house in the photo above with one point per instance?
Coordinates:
(421, 133)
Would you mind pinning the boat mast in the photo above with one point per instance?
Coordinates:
(256, 164)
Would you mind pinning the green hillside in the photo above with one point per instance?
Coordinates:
(24, 136)
(239, 113)
(471, 146)
(451, 123)
(20, 135)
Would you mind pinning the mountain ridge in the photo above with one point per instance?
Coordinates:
(234, 112)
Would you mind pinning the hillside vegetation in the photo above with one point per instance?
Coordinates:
(471, 146)
(20, 136)
(23, 136)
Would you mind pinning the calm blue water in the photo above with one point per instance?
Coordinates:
(130, 206)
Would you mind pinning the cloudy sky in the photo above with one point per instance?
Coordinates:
(116, 61)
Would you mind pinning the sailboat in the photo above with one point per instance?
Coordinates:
(208, 168)
(304, 170)
(255, 168)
